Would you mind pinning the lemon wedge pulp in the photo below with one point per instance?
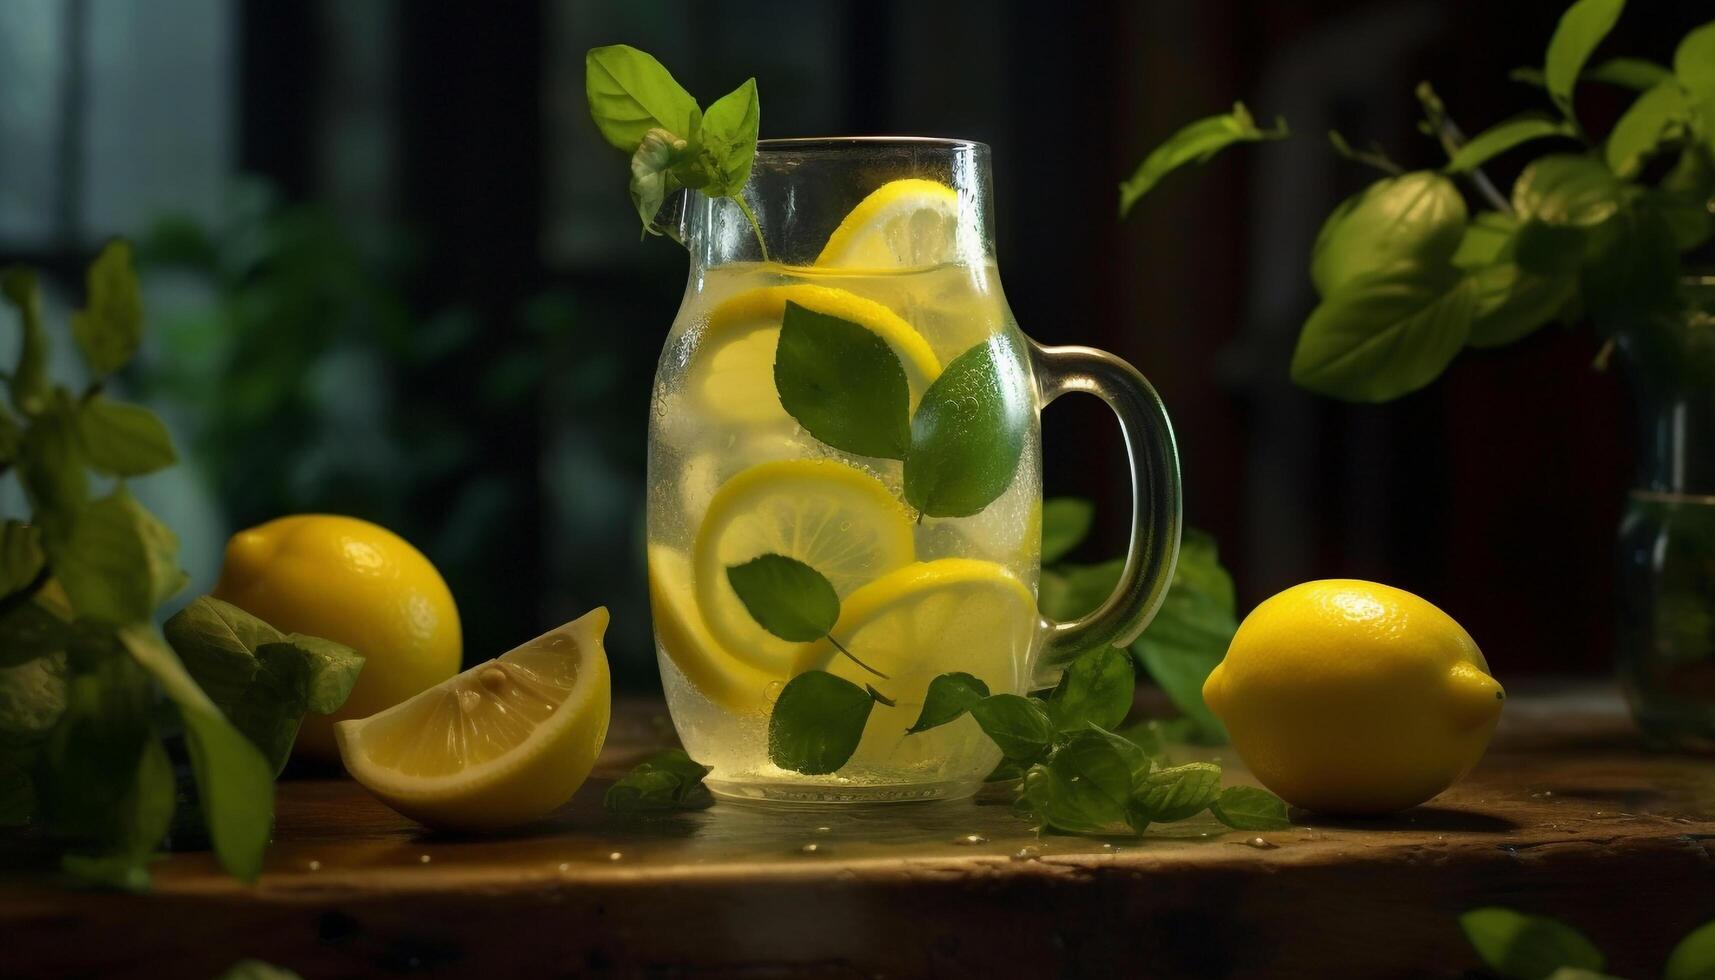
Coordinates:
(503, 743)
(731, 377)
(833, 517)
(903, 224)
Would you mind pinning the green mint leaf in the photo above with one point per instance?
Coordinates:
(217, 642)
(1566, 189)
(969, 432)
(1250, 808)
(1694, 956)
(1502, 137)
(1140, 757)
(1527, 947)
(652, 178)
(668, 780)
(118, 562)
(1546, 249)
(1385, 334)
(1190, 633)
(1417, 217)
(1083, 789)
(50, 465)
(1513, 303)
(32, 699)
(1581, 28)
(110, 326)
(1682, 197)
(270, 709)
(20, 556)
(1632, 73)
(1694, 61)
(948, 698)
(257, 970)
(234, 779)
(728, 139)
(630, 93)
(29, 382)
(1631, 269)
(817, 723)
(843, 384)
(1070, 591)
(1065, 524)
(28, 631)
(1659, 117)
(1017, 724)
(333, 671)
(1175, 793)
(123, 439)
(1194, 143)
(90, 760)
(1096, 689)
(786, 597)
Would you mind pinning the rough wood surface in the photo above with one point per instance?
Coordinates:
(1569, 815)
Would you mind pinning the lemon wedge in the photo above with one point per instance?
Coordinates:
(903, 224)
(504, 743)
(731, 376)
(721, 677)
(835, 518)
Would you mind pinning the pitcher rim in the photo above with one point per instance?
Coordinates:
(790, 143)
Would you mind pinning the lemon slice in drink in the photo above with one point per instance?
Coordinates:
(501, 744)
(731, 377)
(721, 677)
(903, 224)
(837, 519)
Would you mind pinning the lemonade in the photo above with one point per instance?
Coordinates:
(732, 475)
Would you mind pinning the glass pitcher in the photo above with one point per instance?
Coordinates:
(845, 423)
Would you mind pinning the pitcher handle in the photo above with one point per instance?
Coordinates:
(1155, 501)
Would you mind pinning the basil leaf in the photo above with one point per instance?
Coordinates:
(1682, 198)
(1502, 137)
(110, 326)
(257, 970)
(1694, 956)
(1167, 795)
(333, 671)
(630, 93)
(1632, 268)
(668, 780)
(233, 778)
(1250, 808)
(1083, 789)
(949, 697)
(786, 597)
(969, 432)
(20, 556)
(1694, 61)
(1385, 334)
(1140, 757)
(1632, 73)
(28, 631)
(1547, 249)
(1416, 216)
(1017, 724)
(1566, 189)
(1194, 143)
(29, 381)
(1512, 303)
(1660, 116)
(652, 178)
(1096, 689)
(843, 384)
(1581, 28)
(122, 439)
(817, 723)
(118, 562)
(50, 465)
(728, 139)
(1527, 947)
(217, 642)
(1065, 523)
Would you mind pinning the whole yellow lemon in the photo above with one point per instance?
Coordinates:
(360, 584)
(1351, 697)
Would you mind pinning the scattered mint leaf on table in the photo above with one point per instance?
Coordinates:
(1527, 947)
(1020, 726)
(969, 432)
(1084, 788)
(1096, 689)
(817, 723)
(842, 383)
(668, 780)
(1066, 523)
(1250, 808)
(1194, 143)
(947, 699)
(1175, 793)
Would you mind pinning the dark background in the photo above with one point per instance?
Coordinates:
(392, 271)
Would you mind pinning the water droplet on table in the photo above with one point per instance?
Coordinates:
(968, 839)
(1027, 853)
(1261, 844)
(565, 866)
(810, 849)
(423, 859)
(615, 855)
(315, 865)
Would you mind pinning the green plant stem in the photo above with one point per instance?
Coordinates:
(853, 658)
(1373, 157)
(1452, 139)
(755, 226)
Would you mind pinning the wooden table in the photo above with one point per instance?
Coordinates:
(1569, 815)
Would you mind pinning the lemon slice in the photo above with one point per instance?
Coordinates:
(721, 677)
(838, 520)
(903, 224)
(731, 376)
(501, 744)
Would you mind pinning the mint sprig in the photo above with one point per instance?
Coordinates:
(640, 109)
(669, 780)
